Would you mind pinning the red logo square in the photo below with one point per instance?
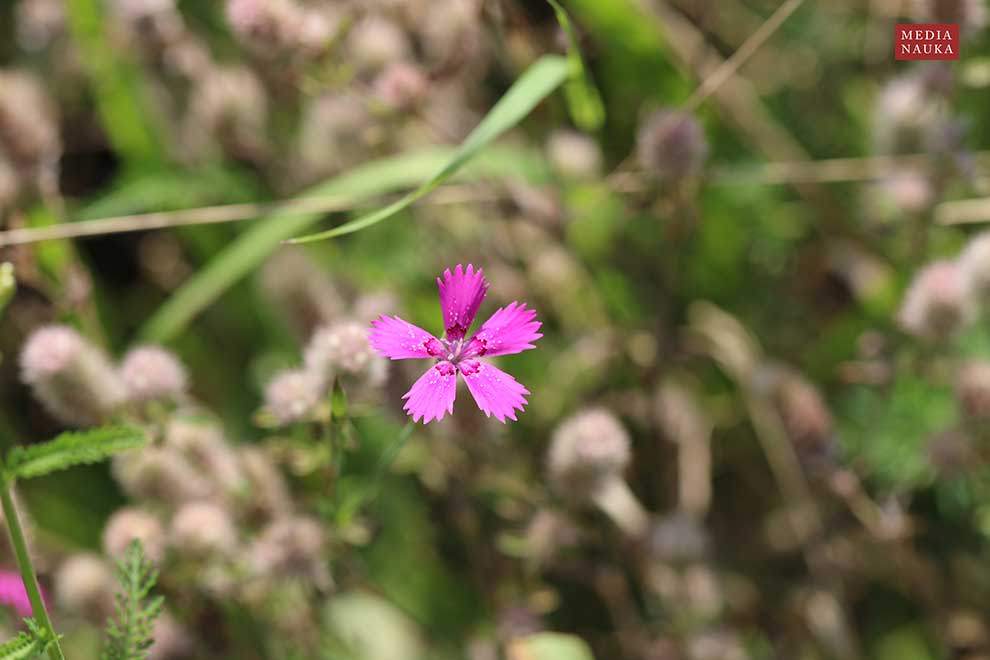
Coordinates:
(926, 41)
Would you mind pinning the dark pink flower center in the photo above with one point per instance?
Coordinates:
(456, 353)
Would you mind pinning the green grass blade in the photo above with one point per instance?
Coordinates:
(355, 186)
(535, 84)
(583, 100)
(70, 449)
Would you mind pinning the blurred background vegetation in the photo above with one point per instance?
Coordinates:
(760, 276)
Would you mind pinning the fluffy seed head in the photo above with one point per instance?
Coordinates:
(128, 524)
(575, 155)
(203, 528)
(268, 492)
(291, 395)
(343, 349)
(937, 303)
(261, 23)
(375, 42)
(172, 641)
(84, 584)
(401, 85)
(29, 132)
(228, 106)
(152, 373)
(333, 135)
(971, 15)
(672, 144)
(204, 446)
(160, 474)
(292, 546)
(973, 389)
(70, 377)
(975, 265)
(586, 449)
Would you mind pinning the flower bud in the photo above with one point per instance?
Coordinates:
(128, 524)
(937, 303)
(575, 155)
(152, 373)
(160, 474)
(292, 546)
(202, 529)
(84, 584)
(72, 379)
(672, 145)
(974, 262)
(973, 389)
(291, 395)
(343, 350)
(586, 449)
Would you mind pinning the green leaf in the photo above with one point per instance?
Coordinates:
(25, 645)
(550, 646)
(358, 185)
(130, 635)
(535, 84)
(72, 448)
(115, 83)
(8, 284)
(583, 100)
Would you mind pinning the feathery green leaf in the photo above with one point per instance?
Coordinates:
(30, 643)
(130, 635)
(72, 448)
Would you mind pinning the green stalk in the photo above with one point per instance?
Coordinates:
(27, 569)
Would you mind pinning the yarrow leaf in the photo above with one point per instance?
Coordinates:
(30, 643)
(70, 449)
(129, 635)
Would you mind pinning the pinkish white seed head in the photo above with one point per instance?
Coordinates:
(575, 155)
(268, 494)
(937, 303)
(160, 474)
(973, 389)
(203, 529)
(205, 447)
(72, 379)
(128, 524)
(343, 350)
(152, 373)
(401, 85)
(293, 394)
(171, 640)
(376, 42)
(975, 265)
(587, 449)
(292, 546)
(84, 584)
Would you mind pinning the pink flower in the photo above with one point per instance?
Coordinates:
(511, 329)
(13, 594)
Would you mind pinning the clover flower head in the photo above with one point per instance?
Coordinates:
(511, 329)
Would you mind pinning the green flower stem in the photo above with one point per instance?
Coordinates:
(27, 569)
